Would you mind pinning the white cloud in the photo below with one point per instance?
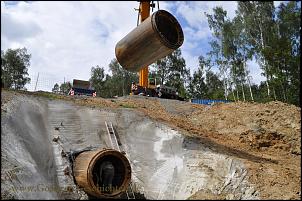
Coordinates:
(277, 3)
(67, 38)
(194, 12)
(255, 72)
(191, 61)
(16, 29)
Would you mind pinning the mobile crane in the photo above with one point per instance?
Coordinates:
(154, 38)
(146, 86)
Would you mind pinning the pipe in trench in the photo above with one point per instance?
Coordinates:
(86, 170)
(156, 37)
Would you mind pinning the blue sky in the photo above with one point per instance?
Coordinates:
(67, 38)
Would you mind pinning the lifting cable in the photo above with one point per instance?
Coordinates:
(139, 10)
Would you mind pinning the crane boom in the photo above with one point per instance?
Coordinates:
(144, 10)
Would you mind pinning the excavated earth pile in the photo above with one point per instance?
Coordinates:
(177, 150)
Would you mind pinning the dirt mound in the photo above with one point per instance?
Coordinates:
(274, 124)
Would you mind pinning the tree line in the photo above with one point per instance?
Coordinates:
(259, 31)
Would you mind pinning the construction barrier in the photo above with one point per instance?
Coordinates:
(208, 101)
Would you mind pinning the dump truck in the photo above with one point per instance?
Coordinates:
(81, 88)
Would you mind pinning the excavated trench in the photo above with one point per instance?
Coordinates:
(165, 163)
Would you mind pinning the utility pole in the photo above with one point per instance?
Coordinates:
(36, 82)
(64, 86)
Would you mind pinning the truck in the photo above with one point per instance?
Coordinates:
(82, 88)
(163, 91)
(155, 90)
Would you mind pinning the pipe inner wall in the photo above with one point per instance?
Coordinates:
(92, 172)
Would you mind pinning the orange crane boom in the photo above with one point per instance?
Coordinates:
(144, 10)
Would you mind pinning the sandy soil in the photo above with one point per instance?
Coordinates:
(266, 137)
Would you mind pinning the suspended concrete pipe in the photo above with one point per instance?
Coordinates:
(156, 37)
(86, 170)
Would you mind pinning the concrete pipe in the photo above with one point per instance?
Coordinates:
(156, 37)
(88, 168)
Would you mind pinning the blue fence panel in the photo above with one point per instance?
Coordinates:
(208, 102)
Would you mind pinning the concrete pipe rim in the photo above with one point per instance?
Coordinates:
(127, 175)
(166, 35)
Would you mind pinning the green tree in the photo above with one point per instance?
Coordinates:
(97, 79)
(244, 51)
(197, 87)
(117, 84)
(55, 88)
(162, 69)
(121, 79)
(14, 64)
(229, 51)
(259, 25)
(178, 73)
(284, 53)
(173, 72)
(215, 88)
(65, 88)
(217, 23)
(274, 36)
(260, 31)
(107, 90)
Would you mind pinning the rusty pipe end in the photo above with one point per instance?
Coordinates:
(87, 172)
(168, 29)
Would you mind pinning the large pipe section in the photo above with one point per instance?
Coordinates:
(156, 37)
(86, 171)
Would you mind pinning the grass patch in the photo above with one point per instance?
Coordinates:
(49, 95)
(45, 94)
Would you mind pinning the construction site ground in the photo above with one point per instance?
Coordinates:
(263, 140)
